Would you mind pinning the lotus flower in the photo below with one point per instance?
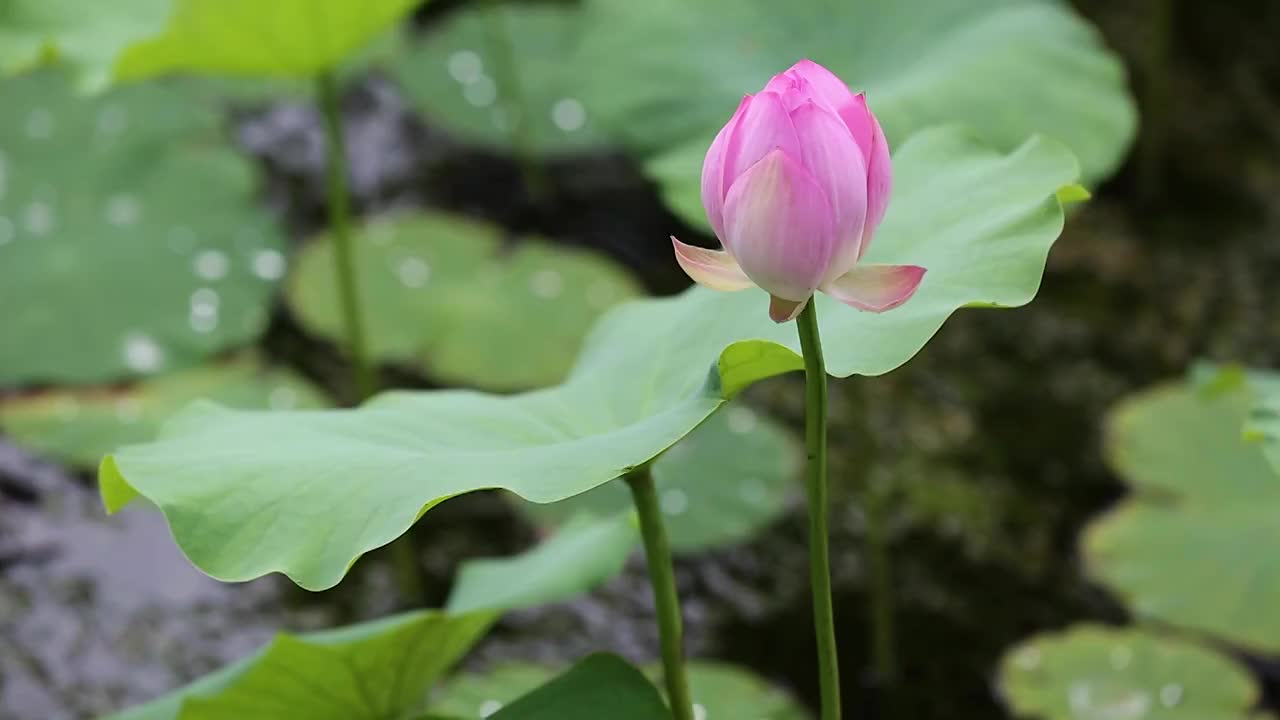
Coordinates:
(794, 186)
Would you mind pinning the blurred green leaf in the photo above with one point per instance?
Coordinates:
(719, 691)
(81, 425)
(249, 37)
(374, 670)
(129, 240)
(725, 481)
(650, 373)
(1091, 671)
(584, 690)
(1264, 419)
(88, 36)
(1184, 549)
(1007, 68)
(576, 558)
(441, 292)
(490, 64)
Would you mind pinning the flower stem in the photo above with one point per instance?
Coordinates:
(340, 230)
(815, 436)
(657, 551)
(403, 553)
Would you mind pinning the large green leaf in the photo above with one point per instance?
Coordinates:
(82, 425)
(597, 682)
(1185, 548)
(582, 554)
(721, 484)
(87, 35)
(457, 74)
(241, 490)
(441, 292)
(1008, 68)
(1096, 673)
(249, 37)
(719, 691)
(374, 670)
(129, 242)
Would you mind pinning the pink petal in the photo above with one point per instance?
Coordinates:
(778, 226)
(781, 311)
(826, 87)
(833, 159)
(857, 116)
(793, 89)
(879, 184)
(713, 187)
(876, 288)
(715, 269)
(762, 126)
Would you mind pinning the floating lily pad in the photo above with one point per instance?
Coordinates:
(650, 372)
(129, 240)
(441, 292)
(1007, 68)
(248, 37)
(457, 75)
(1184, 548)
(82, 425)
(719, 691)
(720, 485)
(370, 671)
(582, 554)
(1115, 674)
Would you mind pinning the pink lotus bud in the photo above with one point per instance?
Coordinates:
(795, 186)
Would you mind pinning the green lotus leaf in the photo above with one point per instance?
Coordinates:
(88, 36)
(441, 292)
(241, 490)
(1008, 68)
(129, 239)
(458, 75)
(1184, 548)
(81, 425)
(720, 485)
(286, 38)
(1091, 671)
(581, 692)
(370, 671)
(719, 691)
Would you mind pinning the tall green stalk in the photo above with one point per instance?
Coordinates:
(815, 437)
(657, 551)
(404, 557)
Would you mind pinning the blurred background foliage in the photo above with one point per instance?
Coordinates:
(519, 166)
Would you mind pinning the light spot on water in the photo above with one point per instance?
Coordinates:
(413, 272)
(699, 711)
(741, 420)
(481, 93)
(204, 301)
(282, 398)
(7, 231)
(141, 353)
(39, 124)
(465, 66)
(569, 114)
(112, 120)
(38, 218)
(1170, 695)
(211, 264)
(181, 240)
(489, 707)
(123, 210)
(1080, 697)
(128, 410)
(546, 284)
(269, 264)
(674, 502)
(1121, 656)
(203, 317)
